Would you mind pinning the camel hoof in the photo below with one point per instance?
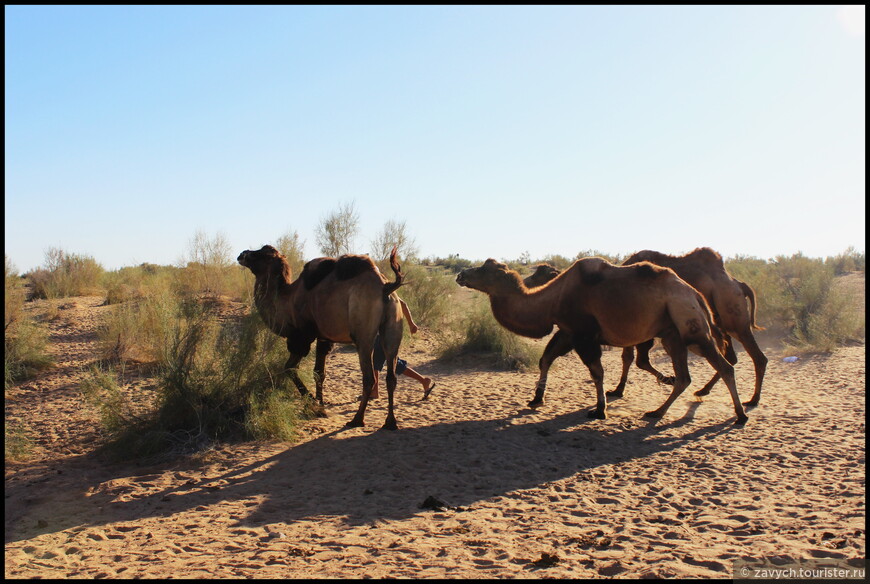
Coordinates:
(614, 394)
(741, 420)
(654, 414)
(535, 403)
(751, 403)
(597, 415)
(702, 392)
(355, 424)
(394, 426)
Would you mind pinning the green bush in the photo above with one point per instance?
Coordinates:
(479, 333)
(217, 381)
(428, 292)
(805, 298)
(65, 275)
(25, 346)
(135, 283)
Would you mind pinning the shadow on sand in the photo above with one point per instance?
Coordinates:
(379, 475)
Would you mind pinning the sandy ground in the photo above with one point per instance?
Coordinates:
(524, 493)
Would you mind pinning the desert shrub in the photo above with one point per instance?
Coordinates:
(293, 249)
(25, 346)
(138, 329)
(428, 292)
(208, 267)
(65, 275)
(803, 297)
(17, 444)
(137, 282)
(849, 261)
(217, 381)
(477, 332)
(453, 263)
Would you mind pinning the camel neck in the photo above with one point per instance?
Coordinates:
(529, 315)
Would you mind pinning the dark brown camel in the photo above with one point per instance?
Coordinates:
(705, 271)
(334, 300)
(596, 303)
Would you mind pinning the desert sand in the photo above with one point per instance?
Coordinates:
(473, 485)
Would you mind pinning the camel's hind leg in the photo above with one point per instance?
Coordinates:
(731, 356)
(364, 350)
(726, 370)
(627, 360)
(678, 353)
(391, 339)
(560, 344)
(758, 359)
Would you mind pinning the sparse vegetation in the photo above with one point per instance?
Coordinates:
(65, 274)
(805, 298)
(25, 347)
(336, 233)
(478, 332)
(216, 381)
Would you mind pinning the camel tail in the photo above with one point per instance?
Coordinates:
(750, 293)
(391, 287)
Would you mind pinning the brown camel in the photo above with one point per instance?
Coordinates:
(597, 303)
(705, 271)
(334, 300)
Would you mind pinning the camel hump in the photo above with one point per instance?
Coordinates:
(316, 270)
(348, 267)
(706, 255)
(649, 270)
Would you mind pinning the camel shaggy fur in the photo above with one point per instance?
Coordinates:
(704, 270)
(334, 300)
(597, 303)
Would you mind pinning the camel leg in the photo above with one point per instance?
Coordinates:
(590, 353)
(290, 368)
(627, 358)
(560, 344)
(322, 349)
(368, 373)
(726, 370)
(390, 423)
(731, 356)
(758, 359)
(643, 362)
(678, 353)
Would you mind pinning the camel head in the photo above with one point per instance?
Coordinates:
(492, 277)
(266, 260)
(543, 273)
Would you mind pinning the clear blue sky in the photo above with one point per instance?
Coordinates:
(491, 131)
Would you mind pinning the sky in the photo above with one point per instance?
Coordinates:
(490, 131)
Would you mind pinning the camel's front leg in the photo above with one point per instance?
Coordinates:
(590, 353)
(291, 369)
(321, 351)
(643, 362)
(560, 344)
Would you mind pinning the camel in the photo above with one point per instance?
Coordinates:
(596, 303)
(334, 300)
(704, 270)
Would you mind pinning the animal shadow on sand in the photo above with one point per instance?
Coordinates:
(379, 475)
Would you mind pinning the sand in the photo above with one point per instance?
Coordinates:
(474, 484)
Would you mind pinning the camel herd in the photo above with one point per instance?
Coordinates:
(688, 302)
